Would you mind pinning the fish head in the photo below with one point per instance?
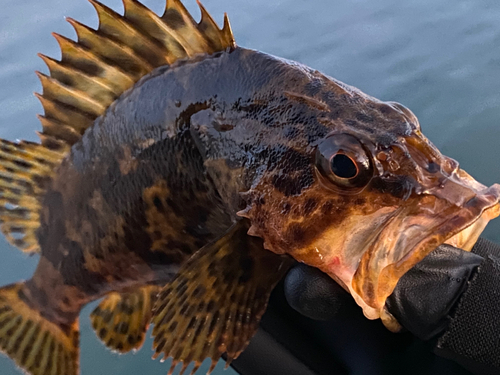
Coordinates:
(365, 203)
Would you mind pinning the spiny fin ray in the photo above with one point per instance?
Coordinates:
(70, 95)
(118, 28)
(104, 63)
(65, 114)
(117, 54)
(92, 86)
(215, 304)
(208, 26)
(150, 24)
(82, 59)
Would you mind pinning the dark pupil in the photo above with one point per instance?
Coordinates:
(343, 166)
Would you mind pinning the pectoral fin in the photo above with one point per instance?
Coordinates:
(215, 304)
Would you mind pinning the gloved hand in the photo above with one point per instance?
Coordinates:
(452, 296)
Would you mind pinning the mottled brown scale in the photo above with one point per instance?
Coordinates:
(114, 235)
(178, 201)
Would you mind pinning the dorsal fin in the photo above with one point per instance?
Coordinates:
(92, 73)
(103, 63)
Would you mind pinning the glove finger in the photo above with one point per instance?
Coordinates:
(315, 295)
(426, 294)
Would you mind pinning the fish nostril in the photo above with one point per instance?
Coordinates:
(450, 166)
(433, 167)
(393, 165)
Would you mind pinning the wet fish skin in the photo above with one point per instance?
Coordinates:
(243, 118)
(217, 170)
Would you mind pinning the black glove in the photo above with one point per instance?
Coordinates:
(451, 296)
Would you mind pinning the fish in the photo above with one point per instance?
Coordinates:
(179, 176)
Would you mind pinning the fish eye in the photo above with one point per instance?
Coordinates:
(343, 166)
(343, 160)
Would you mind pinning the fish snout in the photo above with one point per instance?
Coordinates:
(455, 211)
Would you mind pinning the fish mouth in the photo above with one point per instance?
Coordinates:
(455, 213)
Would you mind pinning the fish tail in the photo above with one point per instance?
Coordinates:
(37, 345)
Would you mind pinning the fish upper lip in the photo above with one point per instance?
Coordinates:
(483, 199)
(405, 240)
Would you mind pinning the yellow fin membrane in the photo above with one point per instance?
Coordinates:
(102, 64)
(215, 304)
(92, 73)
(122, 319)
(37, 345)
(25, 169)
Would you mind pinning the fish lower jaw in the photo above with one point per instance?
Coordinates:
(344, 279)
(467, 238)
(381, 265)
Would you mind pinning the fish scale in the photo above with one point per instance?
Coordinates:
(179, 176)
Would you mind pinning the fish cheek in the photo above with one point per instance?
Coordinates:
(289, 223)
(323, 222)
(311, 220)
(275, 201)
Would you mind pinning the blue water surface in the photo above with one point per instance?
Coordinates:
(441, 58)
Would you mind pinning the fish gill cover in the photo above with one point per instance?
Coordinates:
(177, 176)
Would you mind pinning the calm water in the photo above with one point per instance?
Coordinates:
(441, 58)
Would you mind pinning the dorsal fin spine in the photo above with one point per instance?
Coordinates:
(104, 63)
(94, 86)
(57, 68)
(64, 114)
(116, 27)
(209, 26)
(149, 23)
(193, 39)
(109, 49)
(70, 96)
(228, 32)
(90, 75)
(177, 6)
(53, 143)
(57, 128)
(84, 60)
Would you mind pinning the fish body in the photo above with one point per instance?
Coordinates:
(142, 192)
(179, 175)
